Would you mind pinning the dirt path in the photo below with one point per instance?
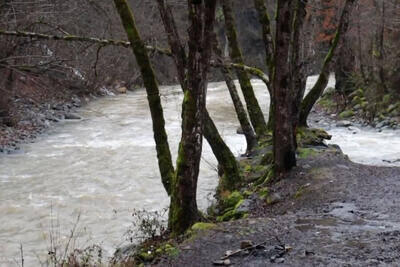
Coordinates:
(331, 212)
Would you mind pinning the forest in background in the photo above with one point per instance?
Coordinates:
(35, 72)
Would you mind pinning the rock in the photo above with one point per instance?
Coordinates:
(246, 244)
(58, 107)
(382, 124)
(71, 116)
(226, 262)
(306, 166)
(343, 123)
(343, 166)
(52, 118)
(354, 130)
(346, 114)
(391, 108)
(274, 198)
(203, 226)
(239, 130)
(244, 206)
(122, 90)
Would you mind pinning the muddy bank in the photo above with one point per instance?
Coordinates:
(327, 212)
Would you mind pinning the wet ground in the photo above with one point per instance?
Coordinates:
(332, 213)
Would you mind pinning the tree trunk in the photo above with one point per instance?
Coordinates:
(153, 96)
(183, 211)
(298, 77)
(255, 113)
(283, 146)
(269, 52)
(231, 177)
(248, 132)
(224, 156)
(378, 50)
(316, 92)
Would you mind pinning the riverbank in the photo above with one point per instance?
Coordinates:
(356, 110)
(329, 211)
(32, 112)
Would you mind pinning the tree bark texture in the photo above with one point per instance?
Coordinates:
(269, 52)
(248, 131)
(153, 95)
(222, 152)
(183, 209)
(283, 146)
(255, 113)
(298, 77)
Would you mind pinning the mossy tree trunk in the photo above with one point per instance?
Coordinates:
(269, 46)
(255, 113)
(231, 177)
(225, 157)
(316, 92)
(183, 211)
(248, 131)
(283, 145)
(153, 95)
(298, 77)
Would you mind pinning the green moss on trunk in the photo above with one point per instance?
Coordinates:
(153, 95)
(255, 113)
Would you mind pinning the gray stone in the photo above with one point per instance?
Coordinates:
(244, 207)
(274, 198)
(122, 90)
(71, 116)
(382, 124)
(343, 124)
(239, 130)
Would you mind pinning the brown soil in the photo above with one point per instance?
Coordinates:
(331, 212)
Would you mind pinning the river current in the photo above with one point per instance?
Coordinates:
(104, 166)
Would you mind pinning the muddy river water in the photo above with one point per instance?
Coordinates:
(104, 166)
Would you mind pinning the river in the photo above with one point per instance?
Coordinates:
(104, 166)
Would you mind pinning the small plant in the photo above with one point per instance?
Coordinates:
(147, 225)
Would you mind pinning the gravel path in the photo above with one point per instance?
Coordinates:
(332, 212)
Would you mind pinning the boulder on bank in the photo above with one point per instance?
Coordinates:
(71, 116)
(344, 124)
(122, 90)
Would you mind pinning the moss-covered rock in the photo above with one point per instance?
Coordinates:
(203, 226)
(231, 200)
(146, 256)
(264, 192)
(231, 215)
(313, 137)
(346, 114)
(304, 153)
